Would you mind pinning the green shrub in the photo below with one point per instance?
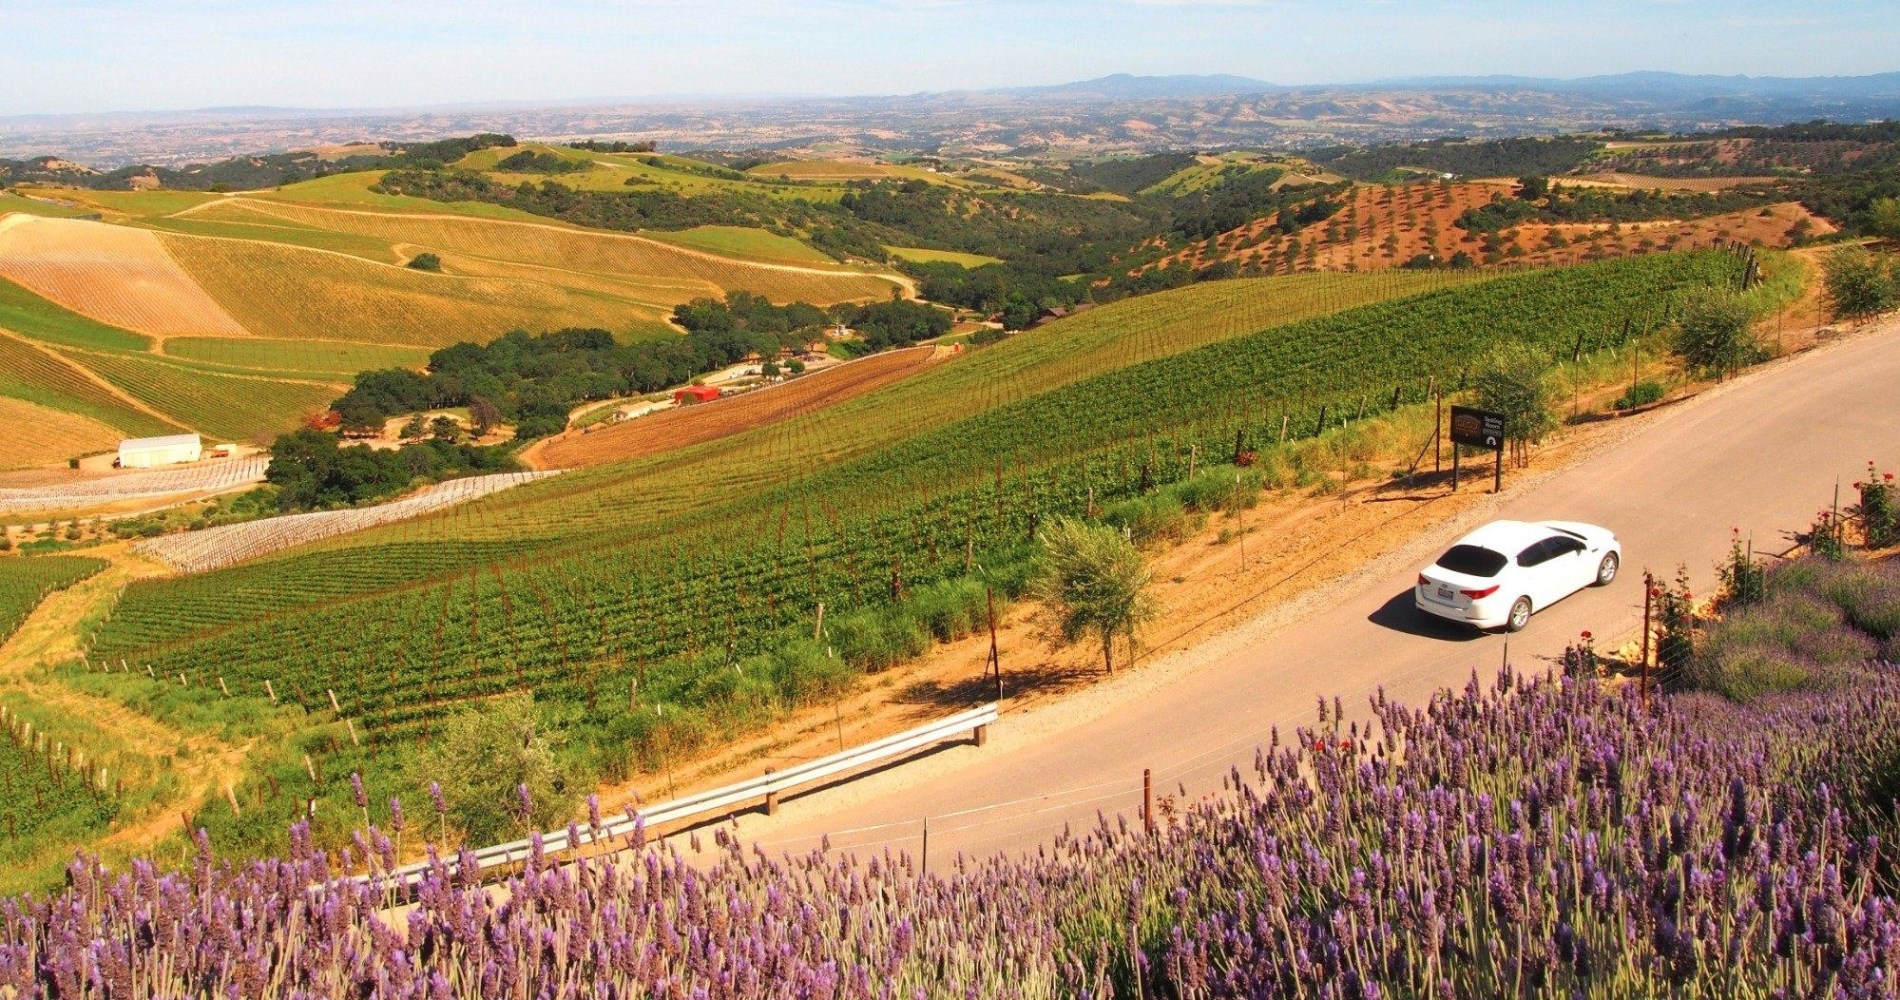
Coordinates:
(877, 639)
(1641, 394)
(1145, 519)
(804, 674)
(950, 609)
(1221, 488)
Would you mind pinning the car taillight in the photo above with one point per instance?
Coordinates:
(1422, 581)
(1478, 595)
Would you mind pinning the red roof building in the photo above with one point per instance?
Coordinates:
(696, 393)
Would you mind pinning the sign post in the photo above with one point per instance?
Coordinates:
(1481, 429)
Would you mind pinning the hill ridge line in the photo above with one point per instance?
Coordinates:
(840, 272)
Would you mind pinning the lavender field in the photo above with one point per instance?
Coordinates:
(1536, 837)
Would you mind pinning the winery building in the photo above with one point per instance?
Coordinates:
(149, 453)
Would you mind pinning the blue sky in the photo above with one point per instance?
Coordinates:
(100, 55)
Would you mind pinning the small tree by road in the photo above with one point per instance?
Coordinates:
(1095, 584)
(1515, 380)
(1857, 285)
(1713, 336)
(483, 758)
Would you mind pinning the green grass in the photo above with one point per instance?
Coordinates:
(134, 204)
(29, 315)
(920, 255)
(10, 202)
(231, 407)
(317, 357)
(352, 190)
(746, 242)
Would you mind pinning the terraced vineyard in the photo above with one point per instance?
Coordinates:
(223, 405)
(234, 407)
(33, 316)
(337, 358)
(271, 288)
(605, 595)
(56, 435)
(549, 244)
(26, 580)
(42, 377)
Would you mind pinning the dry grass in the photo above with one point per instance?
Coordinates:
(38, 435)
(119, 276)
(289, 292)
(595, 252)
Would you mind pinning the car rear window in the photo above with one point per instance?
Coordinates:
(1472, 560)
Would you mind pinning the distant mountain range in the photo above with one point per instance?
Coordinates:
(1120, 113)
(1642, 86)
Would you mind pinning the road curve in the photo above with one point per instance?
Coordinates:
(1761, 454)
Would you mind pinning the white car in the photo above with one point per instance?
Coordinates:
(1500, 574)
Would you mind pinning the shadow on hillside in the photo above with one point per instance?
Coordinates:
(1400, 615)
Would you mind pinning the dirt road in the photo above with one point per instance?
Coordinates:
(1761, 454)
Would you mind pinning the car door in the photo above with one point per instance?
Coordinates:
(1533, 573)
(1564, 569)
(1541, 567)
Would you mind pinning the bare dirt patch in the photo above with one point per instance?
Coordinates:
(1640, 181)
(689, 425)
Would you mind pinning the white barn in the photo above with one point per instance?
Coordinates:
(148, 453)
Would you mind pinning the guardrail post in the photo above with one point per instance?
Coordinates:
(982, 734)
(771, 797)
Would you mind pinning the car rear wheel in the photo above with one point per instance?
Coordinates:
(1606, 570)
(1520, 615)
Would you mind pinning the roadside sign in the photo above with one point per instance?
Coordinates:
(1481, 428)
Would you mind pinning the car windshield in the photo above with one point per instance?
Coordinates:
(1472, 560)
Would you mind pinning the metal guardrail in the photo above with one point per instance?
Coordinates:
(764, 790)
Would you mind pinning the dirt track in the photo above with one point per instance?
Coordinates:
(690, 425)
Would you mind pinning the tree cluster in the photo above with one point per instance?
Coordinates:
(530, 161)
(533, 381)
(617, 146)
(1860, 284)
(312, 470)
(896, 323)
